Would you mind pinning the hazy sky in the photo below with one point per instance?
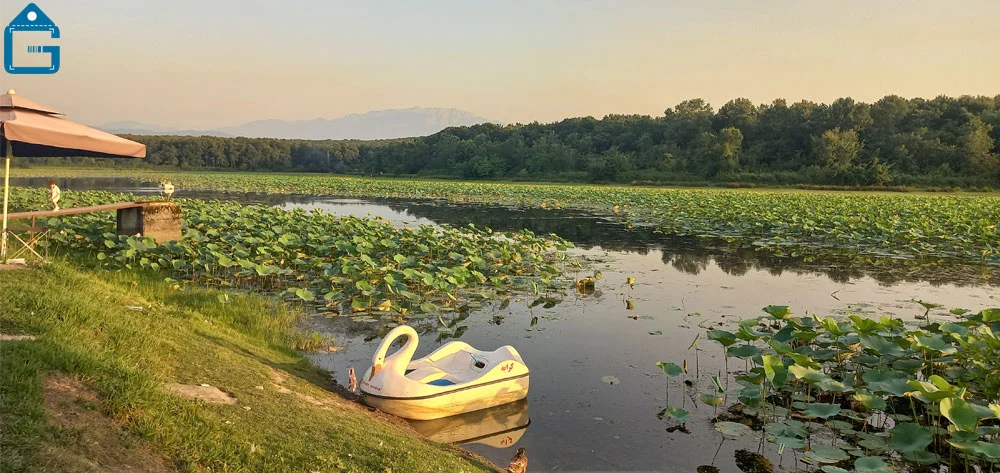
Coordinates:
(211, 63)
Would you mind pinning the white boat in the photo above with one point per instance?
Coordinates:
(452, 380)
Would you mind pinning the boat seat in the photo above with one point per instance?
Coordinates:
(441, 382)
(430, 375)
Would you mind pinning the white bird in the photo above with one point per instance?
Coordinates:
(167, 188)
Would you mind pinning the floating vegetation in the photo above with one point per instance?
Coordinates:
(963, 227)
(859, 393)
(347, 265)
(751, 462)
(586, 285)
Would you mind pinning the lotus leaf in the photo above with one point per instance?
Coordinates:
(872, 465)
(722, 336)
(909, 437)
(775, 370)
(821, 410)
(886, 381)
(778, 311)
(677, 414)
(960, 413)
(826, 454)
(732, 429)
(670, 369)
(921, 457)
(743, 351)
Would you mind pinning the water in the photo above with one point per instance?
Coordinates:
(682, 285)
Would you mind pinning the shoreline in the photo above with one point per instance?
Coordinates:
(114, 340)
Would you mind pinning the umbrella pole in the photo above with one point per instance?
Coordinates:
(6, 191)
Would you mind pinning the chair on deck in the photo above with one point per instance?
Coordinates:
(35, 235)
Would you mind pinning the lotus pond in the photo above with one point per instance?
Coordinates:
(666, 363)
(956, 226)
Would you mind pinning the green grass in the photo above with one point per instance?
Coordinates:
(85, 326)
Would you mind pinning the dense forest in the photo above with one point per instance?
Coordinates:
(893, 141)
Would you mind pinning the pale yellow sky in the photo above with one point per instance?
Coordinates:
(187, 64)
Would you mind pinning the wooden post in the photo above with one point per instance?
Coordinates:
(6, 190)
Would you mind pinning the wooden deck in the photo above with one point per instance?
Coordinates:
(160, 220)
(76, 210)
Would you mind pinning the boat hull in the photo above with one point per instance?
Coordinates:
(460, 401)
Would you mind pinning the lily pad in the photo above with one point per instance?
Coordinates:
(989, 450)
(675, 413)
(787, 442)
(826, 454)
(611, 380)
(872, 465)
(960, 413)
(887, 381)
(732, 429)
(869, 400)
(743, 351)
(808, 374)
(710, 399)
(934, 391)
(786, 429)
(821, 410)
(910, 437)
(670, 369)
(922, 457)
(880, 345)
(778, 311)
(775, 370)
(723, 337)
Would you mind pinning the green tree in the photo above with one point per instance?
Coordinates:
(739, 113)
(837, 150)
(687, 121)
(976, 145)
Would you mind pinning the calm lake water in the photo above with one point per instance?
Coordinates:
(682, 285)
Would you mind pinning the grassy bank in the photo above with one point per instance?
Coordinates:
(123, 336)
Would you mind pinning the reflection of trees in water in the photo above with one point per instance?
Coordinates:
(692, 255)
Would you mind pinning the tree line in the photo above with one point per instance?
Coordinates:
(941, 141)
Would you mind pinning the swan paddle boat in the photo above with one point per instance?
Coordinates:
(452, 380)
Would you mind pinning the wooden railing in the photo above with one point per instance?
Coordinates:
(75, 210)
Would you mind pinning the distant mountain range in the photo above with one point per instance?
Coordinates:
(139, 128)
(381, 124)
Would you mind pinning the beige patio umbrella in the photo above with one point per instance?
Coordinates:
(28, 129)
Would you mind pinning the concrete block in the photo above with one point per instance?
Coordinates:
(159, 220)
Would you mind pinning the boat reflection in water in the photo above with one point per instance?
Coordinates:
(498, 427)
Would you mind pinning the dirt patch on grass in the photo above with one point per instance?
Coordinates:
(12, 266)
(4, 337)
(209, 394)
(84, 440)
